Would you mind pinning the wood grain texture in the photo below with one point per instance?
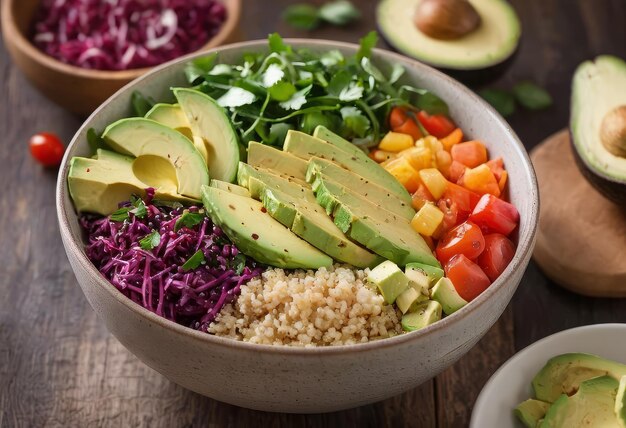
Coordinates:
(59, 366)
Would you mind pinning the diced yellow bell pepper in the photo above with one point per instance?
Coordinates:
(395, 142)
(418, 157)
(443, 160)
(481, 180)
(427, 220)
(429, 142)
(381, 155)
(404, 173)
(455, 137)
(434, 181)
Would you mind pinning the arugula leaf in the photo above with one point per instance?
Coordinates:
(150, 241)
(340, 12)
(141, 104)
(367, 43)
(194, 261)
(120, 215)
(188, 219)
(236, 97)
(276, 44)
(532, 96)
(95, 141)
(197, 68)
(503, 101)
(302, 16)
(297, 100)
(355, 121)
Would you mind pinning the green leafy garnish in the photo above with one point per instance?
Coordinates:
(238, 263)
(120, 215)
(95, 141)
(194, 261)
(150, 241)
(308, 17)
(367, 43)
(188, 220)
(503, 101)
(355, 121)
(139, 209)
(532, 96)
(277, 45)
(197, 68)
(141, 104)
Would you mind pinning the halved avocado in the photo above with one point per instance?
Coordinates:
(598, 124)
(479, 56)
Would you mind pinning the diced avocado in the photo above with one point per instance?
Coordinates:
(564, 373)
(256, 234)
(591, 406)
(359, 185)
(620, 402)
(209, 122)
(305, 146)
(445, 293)
(279, 162)
(166, 159)
(424, 315)
(389, 279)
(433, 273)
(408, 298)
(418, 280)
(372, 226)
(531, 411)
(230, 187)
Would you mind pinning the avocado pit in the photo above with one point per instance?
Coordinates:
(446, 19)
(613, 131)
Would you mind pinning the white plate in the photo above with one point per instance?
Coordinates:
(510, 385)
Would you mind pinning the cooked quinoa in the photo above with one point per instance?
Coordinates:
(332, 306)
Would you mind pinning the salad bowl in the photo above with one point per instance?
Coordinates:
(316, 379)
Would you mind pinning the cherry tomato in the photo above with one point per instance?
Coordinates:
(499, 251)
(450, 216)
(409, 127)
(466, 239)
(464, 200)
(468, 278)
(437, 125)
(397, 117)
(46, 148)
(493, 215)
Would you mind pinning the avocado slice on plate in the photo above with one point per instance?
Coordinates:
(166, 159)
(256, 234)
(598, 124)
(279, 162)
(230, 187)
(620, 402)
(209, 122)
(531, 411)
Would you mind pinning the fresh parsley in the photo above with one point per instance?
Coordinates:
(137, 208)
(308, 17)
(188, 220)
(194, 261)
(150, 241)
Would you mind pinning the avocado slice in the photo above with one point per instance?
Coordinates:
(620, 402)
(279, 162)
(564, 373)
(598, 124)
(230, 187)
(409, 298)
(359, 185)
(166, 159)
(371, 225)
(432, 273)
(531, 411)
(389, 279)
(445, 293)
(209, 122)
(305, 147)
(257, 235)
(591, 406)
(423, 315)
(479, 55)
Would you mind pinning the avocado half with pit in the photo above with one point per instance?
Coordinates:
(477, 55)
(598, 125)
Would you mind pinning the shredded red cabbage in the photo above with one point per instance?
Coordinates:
(125, 34)
(156, 278)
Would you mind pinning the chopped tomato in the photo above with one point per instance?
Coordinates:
(497, 167)
(455, 137)
(456, 171)
(498, 253)
(420, 197)
(493, 215)
(468, 278)
(470, 153)
(397, 117)
(466, 239)
(450, 216)
(411, 128)
(437, 125)
(464, 200)
(480, 180)
(46, 148)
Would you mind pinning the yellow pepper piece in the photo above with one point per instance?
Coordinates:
(404, 173)
(434, 181)
(418, 157)
(395, 142)
(427, 220)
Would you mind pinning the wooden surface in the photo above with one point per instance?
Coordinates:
(59, 366)
(597, 225)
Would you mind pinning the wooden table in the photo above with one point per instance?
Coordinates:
(60, 367)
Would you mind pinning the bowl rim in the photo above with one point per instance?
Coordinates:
(24, 45)
(523, 251)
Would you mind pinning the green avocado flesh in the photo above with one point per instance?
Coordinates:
(170, 115)
(423, 315)
(598, 88)
(591, 406)
(531, 411)
(445, 293)
(166, 159)
(620, 402)
(491, 43)
(279, 162)
(230, 187)
(255, 233)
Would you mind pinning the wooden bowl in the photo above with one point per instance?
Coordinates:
(77, 89)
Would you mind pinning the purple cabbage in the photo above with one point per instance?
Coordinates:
(156, 278)
(125, 34)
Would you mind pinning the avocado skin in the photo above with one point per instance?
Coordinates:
(613, 190)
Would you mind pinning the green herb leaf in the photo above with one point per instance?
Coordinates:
(532, 96)
(503, 101)
(302, 16)
(352, 92)
(188, 219)
(273, 75)
(197, 68)
(150, 241)
(282, 91)
(372, 70)
(331, 58)
(238, 263)
(278, 132)
(340, 12)
(140, 210)
(367, 44)
(141, 104)
(396, 73)
(276, 44)
(355, 121)
(95, 141)
(338, 82)
(431, 103)
(168, 204)
(194, 261)
(297, 100)
(236, 97)
(120, 215)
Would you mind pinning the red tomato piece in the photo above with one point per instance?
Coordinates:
(409, 127)
(493, 215)
(456, 171)
(420, 197)
(464, 200)
(46, 148)
(468, 278)
(397, 117)
(466, 239)
(437, 125)
(450, 216)
(470, 153)
(497, 167)
(498, 253)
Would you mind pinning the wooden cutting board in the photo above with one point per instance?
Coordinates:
(581, 241)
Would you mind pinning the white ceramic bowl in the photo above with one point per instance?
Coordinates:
(511, 384)
(305, 380)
